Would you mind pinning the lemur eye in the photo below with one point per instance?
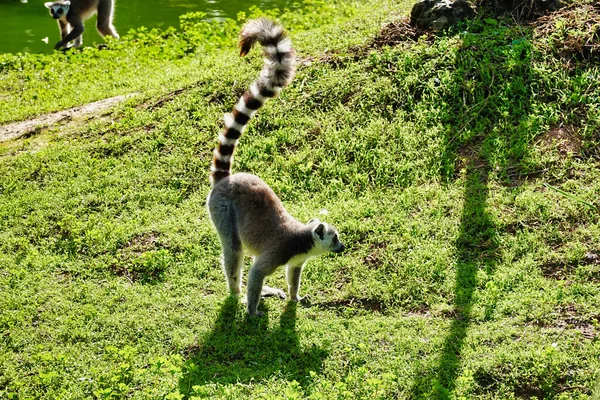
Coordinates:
(59, 11)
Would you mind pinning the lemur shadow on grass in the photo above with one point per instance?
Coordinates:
(244, 350)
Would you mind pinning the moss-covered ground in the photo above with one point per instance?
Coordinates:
(461, 169)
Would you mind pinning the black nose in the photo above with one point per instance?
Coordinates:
(340, 249)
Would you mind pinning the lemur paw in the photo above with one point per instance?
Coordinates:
(280, 294)
(303, 300)
(272, 292)
(256, 315)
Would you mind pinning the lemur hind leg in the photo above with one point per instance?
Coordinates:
(104, 23)
(233, 258)
(233, 255)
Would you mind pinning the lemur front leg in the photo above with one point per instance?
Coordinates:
(261, 268)
(77, 30)
(63, 25)
(268, 291)
(293, 274)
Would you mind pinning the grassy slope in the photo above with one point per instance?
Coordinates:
(468, 273)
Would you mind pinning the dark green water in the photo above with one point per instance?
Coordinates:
(24, 26)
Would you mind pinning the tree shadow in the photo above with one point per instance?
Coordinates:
(476, 249)
(245, 350)
(487, 139)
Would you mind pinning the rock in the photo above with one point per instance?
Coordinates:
(440, 14)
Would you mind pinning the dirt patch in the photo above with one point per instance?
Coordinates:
(168, 97)
(529, 392)
(373, 305)
(143, 258)
(397, 32)
(23, 129)
(564, 139)
(392, 34)
(560, 270)
(568, 317)
(143, 242)
(334, 59)
(422, 311)
(571, 33)
(374, 258)
(592, 258)
(519, 10)
(557, 270)
(468, 157)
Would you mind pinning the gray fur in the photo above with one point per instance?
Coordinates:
(247, 213)
(72, 14)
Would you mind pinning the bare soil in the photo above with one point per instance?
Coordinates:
(22, 129)
(564, 138)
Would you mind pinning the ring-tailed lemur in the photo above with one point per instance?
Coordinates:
(71, 14)
(244, 210)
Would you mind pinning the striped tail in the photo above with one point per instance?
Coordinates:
(278, 71)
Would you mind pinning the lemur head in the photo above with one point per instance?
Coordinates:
(326, 237)
(58, 9)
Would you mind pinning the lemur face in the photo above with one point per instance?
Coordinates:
(58, 9)
(326, 237)
(335, 245)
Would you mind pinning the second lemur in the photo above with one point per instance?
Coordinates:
(71, 15)
(244, 210)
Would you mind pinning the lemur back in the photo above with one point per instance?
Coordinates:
(245, 211)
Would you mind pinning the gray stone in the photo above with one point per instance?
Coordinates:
(440, 14)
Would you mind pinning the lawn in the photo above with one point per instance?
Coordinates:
(461, 169)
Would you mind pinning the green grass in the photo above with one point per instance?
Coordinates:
(472, 228)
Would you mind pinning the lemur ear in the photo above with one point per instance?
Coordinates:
(67, 3)
(320, 231)
(313, 220)
(48, 4)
